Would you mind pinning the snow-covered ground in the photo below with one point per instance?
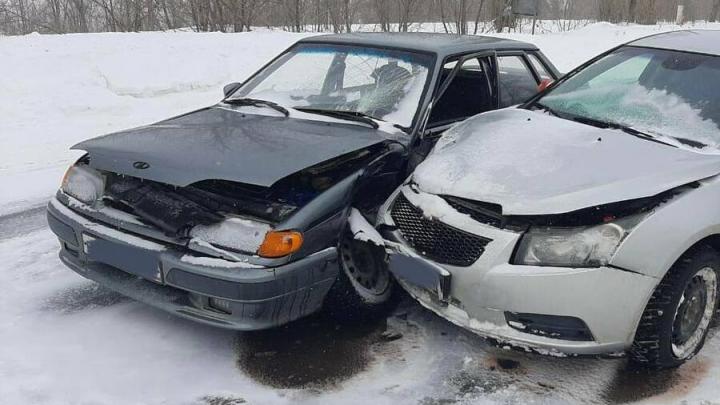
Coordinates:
(56, 90)
(64, 340)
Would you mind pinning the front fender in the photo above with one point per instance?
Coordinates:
(323, 219)
(673, 228)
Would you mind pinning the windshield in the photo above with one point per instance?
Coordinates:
(384, 84)
(658, 92)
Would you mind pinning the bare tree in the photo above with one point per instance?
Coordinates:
(60, 16)
(341, 13)
(478, 15)
(564, 14)
(382, 13)
(243, 12)
(405, 13)
(645, 12)
(455, 13)
(18, 14)
(293, 14)
(501, 15)
(611, 10)
(714, 11)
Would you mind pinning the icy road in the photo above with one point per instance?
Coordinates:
(64, 340)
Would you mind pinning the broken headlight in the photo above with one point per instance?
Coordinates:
(233, 233)
(83, 183)
(587, 246)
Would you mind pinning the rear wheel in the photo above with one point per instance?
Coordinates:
(676, 321)
(364, 285)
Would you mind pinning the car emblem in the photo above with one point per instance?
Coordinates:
(141, 165)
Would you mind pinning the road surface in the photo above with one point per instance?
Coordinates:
(65, 340)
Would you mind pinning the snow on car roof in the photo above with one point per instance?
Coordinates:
(440, 44)
(698, 41)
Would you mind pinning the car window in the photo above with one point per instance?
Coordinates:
(284, 77)
(539, 67)
(360, 70)
(627, 72)
(382, 83)
(469, 93)
(516, 81)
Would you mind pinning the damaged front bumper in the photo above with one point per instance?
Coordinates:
(585, 311)
(211, 290)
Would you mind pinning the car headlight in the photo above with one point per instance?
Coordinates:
(83, 183)
(590, 246)
(233, 233)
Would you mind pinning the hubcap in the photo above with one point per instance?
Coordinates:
(363, 266)
(694, 313)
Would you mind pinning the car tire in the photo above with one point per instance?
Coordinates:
(676, 320)
(364, 286)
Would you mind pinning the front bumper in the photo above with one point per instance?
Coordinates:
(178, 281)
(609, 301)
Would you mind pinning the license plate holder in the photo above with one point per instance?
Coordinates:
(422, 273)
(129, 259)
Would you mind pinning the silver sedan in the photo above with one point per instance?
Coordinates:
(587, 220)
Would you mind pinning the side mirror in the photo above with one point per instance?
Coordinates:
(230, 88)
(544, 84)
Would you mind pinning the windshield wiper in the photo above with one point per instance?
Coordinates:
(545, 108)
(345, 115)
(603, 124)
(691, 142)
(258, 103)
(614, 125)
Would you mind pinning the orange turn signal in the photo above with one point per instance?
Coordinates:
(280, 243)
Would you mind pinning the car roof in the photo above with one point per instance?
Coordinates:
(440, 44)
(697, 41)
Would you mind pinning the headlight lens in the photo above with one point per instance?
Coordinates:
(236, 234)
(591, 246)
(83, 183)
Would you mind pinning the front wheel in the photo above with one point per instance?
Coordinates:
(677, 319)
(364, 285)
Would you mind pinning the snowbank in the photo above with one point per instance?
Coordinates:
(56, 90)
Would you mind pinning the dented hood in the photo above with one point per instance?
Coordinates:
(532, 163)
(223, 144)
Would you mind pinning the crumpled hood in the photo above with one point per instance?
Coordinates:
(223, 144)
(532, 163)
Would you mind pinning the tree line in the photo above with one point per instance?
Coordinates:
(455, 16)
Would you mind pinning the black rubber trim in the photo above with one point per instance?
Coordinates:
(550, 326)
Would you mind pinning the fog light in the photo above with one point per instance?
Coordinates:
(550, 326)
(220, 305)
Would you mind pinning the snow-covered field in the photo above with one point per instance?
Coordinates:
(64, 340)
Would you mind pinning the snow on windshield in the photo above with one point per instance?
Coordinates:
(384, 84)
(660, 92)
(657, 112)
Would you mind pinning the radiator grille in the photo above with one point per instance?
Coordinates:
(433, 239)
